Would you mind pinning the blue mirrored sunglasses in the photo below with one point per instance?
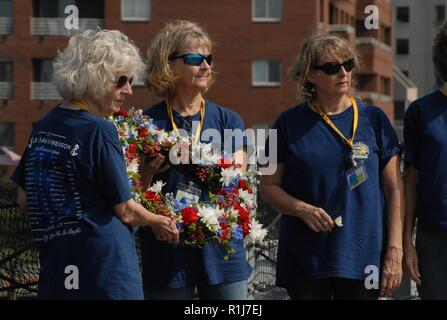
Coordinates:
(194, 59)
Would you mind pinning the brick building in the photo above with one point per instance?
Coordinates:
(255, 43)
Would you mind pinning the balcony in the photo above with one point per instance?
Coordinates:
(373, 96)
(341, 28)
(374, 42)
(6, 90)
(44, 91)
(5, 25)
(56, 26)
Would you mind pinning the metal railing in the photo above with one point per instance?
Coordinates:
(6, 25)
(6, 90)
(56, 26)
(44, 91)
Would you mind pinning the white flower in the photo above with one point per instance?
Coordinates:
(229, 174)
(247, 197)
(338, 221)
(162, 136)
(257, 233)
(133, 166)
(157, 186)
(210, 216)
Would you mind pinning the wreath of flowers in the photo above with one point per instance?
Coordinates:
(229, 213)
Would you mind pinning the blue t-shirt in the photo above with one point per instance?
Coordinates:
(73, 172)
(176, 266)
(425, 132)
(316, 161)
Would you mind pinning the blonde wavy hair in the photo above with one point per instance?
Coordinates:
(160, 78)
(92, 62)
(314, 48)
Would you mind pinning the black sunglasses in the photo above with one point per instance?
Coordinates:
(194, 59)
(121, 82)
(332, 68)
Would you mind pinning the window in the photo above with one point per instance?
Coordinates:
(43, 70)
(5, 70)
(402, 46)
(6, 8)
(440, 14)
(6, 134)
(403, 14)
(266, 73)
(136, 10)
(56, 8)
(267, 10)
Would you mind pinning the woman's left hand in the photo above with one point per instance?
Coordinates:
(392, 271)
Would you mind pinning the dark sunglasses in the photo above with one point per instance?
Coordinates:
(194, 59)
(121, 82)
(332, 68)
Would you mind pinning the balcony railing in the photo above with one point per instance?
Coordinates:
(341, 28)
(44, 91)
(6, 90)
(5, 25)
(56, 26)
(374, 42)
(374, 96)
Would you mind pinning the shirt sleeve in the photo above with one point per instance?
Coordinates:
(389, 144)
(276, 144)
(18, 175)
(412, 136)
(111, 170)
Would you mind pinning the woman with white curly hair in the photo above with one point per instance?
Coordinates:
(72, 178)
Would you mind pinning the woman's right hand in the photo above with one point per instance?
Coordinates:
(155, 165)
(317, 219)
(165, 229)
(411, 263)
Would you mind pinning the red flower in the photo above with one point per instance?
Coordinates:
(142, 132)
(225, 233)
(132, 148)
(244, 214)
(151, 196)
(224, 163)
(244, 185)
(189, 215)
(122, 112)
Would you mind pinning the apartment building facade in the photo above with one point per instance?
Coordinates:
(255, 44)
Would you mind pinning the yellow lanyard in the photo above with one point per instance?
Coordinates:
(350, 142)
(81, 104)
(199, 127)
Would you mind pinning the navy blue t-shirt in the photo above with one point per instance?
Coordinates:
(425, 132)
(316, 161)
(74, 172)
(176, 266)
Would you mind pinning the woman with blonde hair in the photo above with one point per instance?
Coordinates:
(180, 72)
(337, 184)
(72, 177)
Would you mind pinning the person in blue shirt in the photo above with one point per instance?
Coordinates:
(72, 177)
(425, 129)
(180, 71)
(337, 184)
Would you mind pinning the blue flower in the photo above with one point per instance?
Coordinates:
(238, 234)
(179, 205)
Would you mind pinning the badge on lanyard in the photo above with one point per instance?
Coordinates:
(187, 192)
(356, 175)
